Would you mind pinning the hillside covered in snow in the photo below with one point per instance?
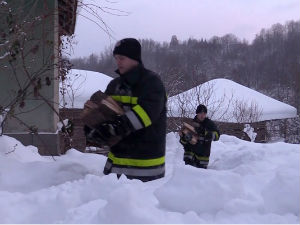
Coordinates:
(245, 183)
(224, 98)
(80, 85)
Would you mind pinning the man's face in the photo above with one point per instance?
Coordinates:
(124, 63)
(201, 116)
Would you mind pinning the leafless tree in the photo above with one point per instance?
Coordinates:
(69, 89)
(245, 113)
(187, 102)
(226, 108)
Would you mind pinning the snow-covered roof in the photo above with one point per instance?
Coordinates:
(229, 101)
(84, 83)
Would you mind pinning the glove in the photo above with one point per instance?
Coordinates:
(187, 137)
(184, 140)
(119, 127)
(93, 136)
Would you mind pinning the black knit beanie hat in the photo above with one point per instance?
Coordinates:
(129, 47)
(201, 108)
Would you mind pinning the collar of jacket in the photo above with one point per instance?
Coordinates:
(196, 120)
(132, 76)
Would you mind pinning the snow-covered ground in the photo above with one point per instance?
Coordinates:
(80, 85)
(224, 98)
(245, 183)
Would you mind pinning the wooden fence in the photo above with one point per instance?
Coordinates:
(264, 129)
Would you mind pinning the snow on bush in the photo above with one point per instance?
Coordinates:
(11, 148)
(250, 132)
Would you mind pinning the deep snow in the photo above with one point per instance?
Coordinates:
(245, 183)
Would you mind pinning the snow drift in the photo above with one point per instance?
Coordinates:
(244, 183)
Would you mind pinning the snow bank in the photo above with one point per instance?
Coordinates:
(221, 95)
(84, 83)
(10, 148)
(245, 183)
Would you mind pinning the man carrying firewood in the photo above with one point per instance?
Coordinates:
(140, 154)
(196, 138)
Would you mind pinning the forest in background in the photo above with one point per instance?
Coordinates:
(269, 64)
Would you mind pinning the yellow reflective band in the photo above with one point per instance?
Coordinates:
(143, 115)
(188, 153)
(136, 162)
(116, 98)
(182, 141)
(216, 135)
(125, 99)
(202, 158)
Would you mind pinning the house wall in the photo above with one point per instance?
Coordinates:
(36, 113)
(43, 116)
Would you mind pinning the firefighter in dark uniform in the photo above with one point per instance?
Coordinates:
(197, 155)
(141, 152)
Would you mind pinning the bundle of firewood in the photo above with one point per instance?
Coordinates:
(99, 109)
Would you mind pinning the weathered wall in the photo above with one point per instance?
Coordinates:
(44, 35)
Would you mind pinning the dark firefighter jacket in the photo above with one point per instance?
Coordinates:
(141, 154)
(198, 154)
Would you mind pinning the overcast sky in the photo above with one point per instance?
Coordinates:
(160, 19)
